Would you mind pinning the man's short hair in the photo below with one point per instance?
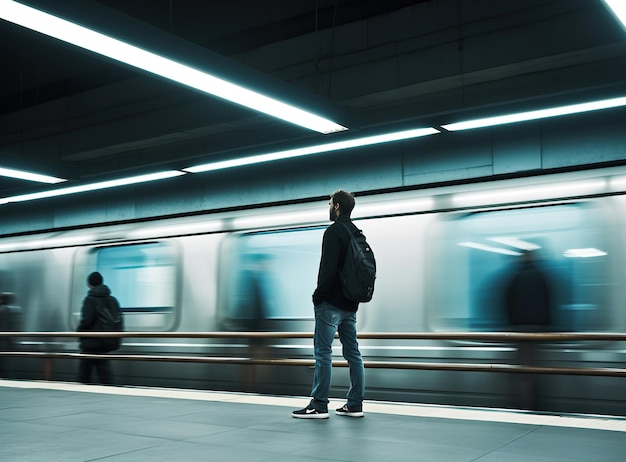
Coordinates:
(95, 279)
(345, 201)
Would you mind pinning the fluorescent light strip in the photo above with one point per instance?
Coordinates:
(67, 31)
(8, 172)
(618, 8)
(347, 144)
(534, 115)
(93, 186)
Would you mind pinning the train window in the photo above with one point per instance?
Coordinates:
(476, 253)
(141, 276)
(268, 278)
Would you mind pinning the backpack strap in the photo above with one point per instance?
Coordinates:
(351, 234)
(350, 231)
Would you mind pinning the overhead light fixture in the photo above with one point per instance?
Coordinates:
(22, 175)
(70, 32)
(534, 115)
(618, 8)
(92, 187)
(305, 151)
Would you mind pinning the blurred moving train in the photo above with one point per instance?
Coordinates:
(441, 252)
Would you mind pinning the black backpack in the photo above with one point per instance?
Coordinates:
(359, 268)
(109, 319)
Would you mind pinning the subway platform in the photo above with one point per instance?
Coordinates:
(53, 421)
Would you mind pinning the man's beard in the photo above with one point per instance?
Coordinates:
(333, 215)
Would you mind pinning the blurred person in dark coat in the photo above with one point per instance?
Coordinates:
(93, 317)
(528, 301)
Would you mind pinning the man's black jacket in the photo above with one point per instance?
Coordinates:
(334, 247)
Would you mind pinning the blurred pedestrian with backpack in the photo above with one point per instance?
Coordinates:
(100, 312)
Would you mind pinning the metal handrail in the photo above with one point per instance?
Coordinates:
(485, 336)
(605, 372)
(488, 336)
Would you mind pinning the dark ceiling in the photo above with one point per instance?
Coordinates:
(71, 113)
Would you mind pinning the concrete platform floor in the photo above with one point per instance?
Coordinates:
(52, 421)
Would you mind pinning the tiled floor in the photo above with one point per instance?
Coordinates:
(41, 421)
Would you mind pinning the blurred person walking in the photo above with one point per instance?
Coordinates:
(529, 309)
(100, 312)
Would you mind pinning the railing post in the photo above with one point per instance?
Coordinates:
(248, 377)
(47, 369)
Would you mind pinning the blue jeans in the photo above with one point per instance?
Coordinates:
(328, 321)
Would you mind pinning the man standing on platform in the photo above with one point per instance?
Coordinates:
(335, 313)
